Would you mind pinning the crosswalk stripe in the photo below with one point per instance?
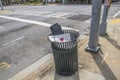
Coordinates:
(33, 22)
(58, 14)
(64, 14)
(54, 14)
(116, 14)
(45, 14)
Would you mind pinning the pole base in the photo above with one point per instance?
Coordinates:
(94, 50)
(103, 34)
(103, 29)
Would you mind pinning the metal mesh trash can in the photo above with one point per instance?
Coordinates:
(65, 55)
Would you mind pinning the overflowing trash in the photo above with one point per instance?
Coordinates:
(58, 34)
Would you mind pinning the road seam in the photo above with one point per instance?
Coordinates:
(7, 43)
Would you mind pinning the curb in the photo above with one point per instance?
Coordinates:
(5, 11)
(35, 69)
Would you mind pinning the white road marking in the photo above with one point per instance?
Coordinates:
(45, 13)
(63, 14)
(54, 14)
(116, 14)
(1, 27)
(58, 15)
(35, 13)
(33, 22)
(5, 44)
(28, 21)
(88, 21)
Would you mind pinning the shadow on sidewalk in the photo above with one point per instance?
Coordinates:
(113, 42)
(103, 67)
(72, 77)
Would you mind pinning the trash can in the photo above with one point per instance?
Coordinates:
(65, 54)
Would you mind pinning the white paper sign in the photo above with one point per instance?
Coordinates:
(60, 38)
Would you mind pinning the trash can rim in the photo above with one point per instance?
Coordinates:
(63, 42)
(67, 41)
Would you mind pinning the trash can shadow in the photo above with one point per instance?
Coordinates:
(72, 77)
(66, 55)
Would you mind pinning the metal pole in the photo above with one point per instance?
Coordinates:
(1, 5)
(93, 45)
(46, 2)
(103, 25)
(63, 1)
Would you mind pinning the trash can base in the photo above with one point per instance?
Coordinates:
(65, 74)
(92, 50)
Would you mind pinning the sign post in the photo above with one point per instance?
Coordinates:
(1, 5)
(93, 45)
(63, 1)
(103, 25)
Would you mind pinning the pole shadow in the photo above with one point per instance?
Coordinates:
(112, 41)
(72, 77)
(104, 68)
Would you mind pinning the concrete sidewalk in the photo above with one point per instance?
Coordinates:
(104, 65)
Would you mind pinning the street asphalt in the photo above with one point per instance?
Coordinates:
(24, 31)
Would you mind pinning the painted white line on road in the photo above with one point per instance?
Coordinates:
(58, 17)
(58, 14)
(63, 14)
(42, 15)
(5, 44)
(50, 15)
(1, 27)
(88, 21)
(24, 20)
(116, 14)
(33, 22)
(43, 12)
